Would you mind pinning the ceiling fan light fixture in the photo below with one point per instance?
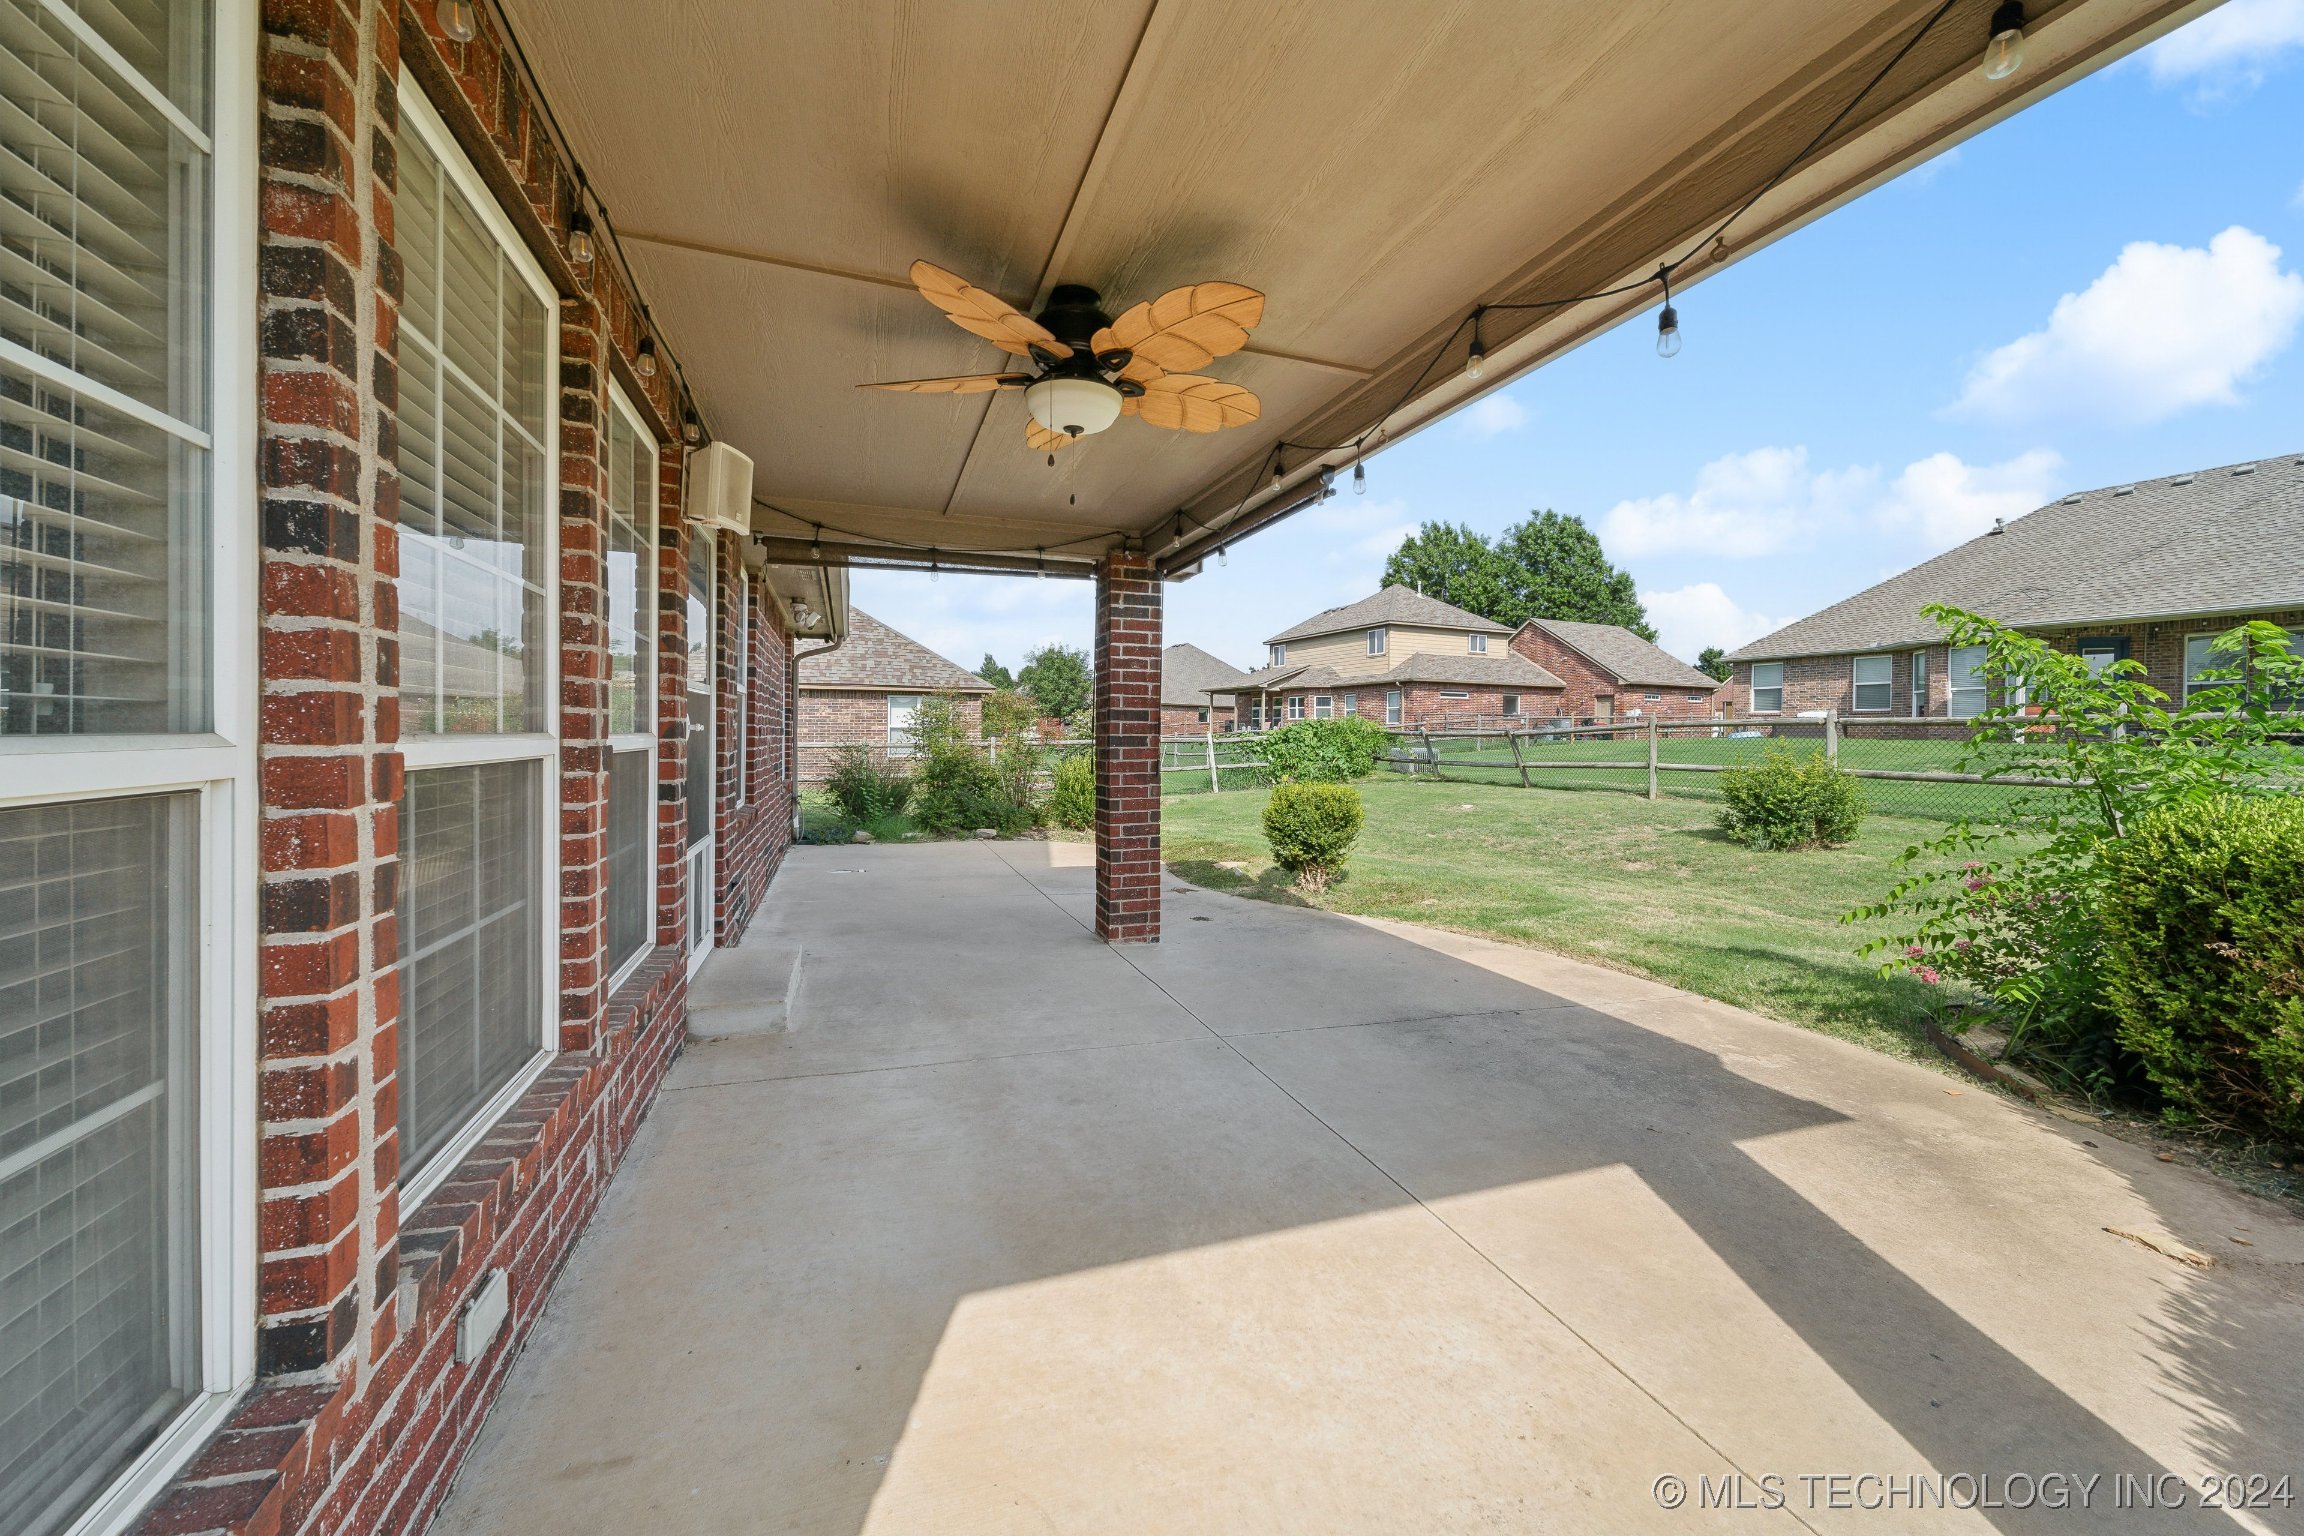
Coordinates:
(1076, 407)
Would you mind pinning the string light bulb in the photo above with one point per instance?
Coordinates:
(458, 20)
(1359, 479)
(1222, 558)
(1668, 332)
(1279, 470)
(2004, 52)
(691, 429)
(580, 238)
(1476, 362)
(646, 361)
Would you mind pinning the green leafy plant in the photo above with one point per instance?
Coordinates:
(867, 789)
(1311, 829)
(2203, 957)
(955, 787)
(1072, 795)
(1059, 680)
(1790, 800)
(1319, 751)
(2009, 907)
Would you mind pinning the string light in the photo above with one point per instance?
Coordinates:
(1476, 362)
(1279, 469)
(580, 237)
(1668, 319)
(2004, 52)
(645, 363)
(458, 20)
(1359, 479)
(691, 429)
(1221, 557)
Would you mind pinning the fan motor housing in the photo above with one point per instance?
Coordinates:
(1075, 314)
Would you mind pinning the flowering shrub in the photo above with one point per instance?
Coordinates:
(2009, 909)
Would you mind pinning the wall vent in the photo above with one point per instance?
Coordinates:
(482, 1318)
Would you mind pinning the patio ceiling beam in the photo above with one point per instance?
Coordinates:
(780, 550)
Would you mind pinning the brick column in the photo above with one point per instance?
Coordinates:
(583, 675)
(1127, 750)
(328, 759)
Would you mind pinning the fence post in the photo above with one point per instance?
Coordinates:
(1652, 734)
(1832, 736)
(1215, 783)
(1519, 761)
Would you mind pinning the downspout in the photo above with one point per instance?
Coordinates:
(824, 584)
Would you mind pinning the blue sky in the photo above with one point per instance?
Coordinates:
(2107, 287)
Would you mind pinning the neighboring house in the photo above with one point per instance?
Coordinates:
(1399, 657)
(1194, 696)
(1613, 674)
(867, 689)
(2150, 572)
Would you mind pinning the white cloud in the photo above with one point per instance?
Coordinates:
(1946, 502)
(1744, 504)
(2230, 49)
(2297, 201)
(1770, 500)
(1356, 529)
(1492, 416)
(2166, 328)
(1690, 618)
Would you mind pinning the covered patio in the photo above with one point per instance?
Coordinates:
(1300, 1223)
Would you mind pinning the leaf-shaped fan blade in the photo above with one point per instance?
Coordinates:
(965, 384)
(1187, 402)
(984, 314)
(1045, 439)
(1185, 328)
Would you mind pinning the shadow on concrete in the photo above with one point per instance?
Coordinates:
(743, 1337)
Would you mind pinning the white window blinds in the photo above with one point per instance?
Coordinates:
(473, 489)
(99, 1316)
(104, 180)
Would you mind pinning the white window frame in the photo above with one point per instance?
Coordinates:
(1379, 639)
(1391, 706)
(1919, 670)
(649, 578)
(1348, 704)
(1857, 683)
(219, 767)
(1476, 645)
(1323, 706)
(1509, 704)
(1295, 706)
(541, 747)
(2208, 638)
(1278, 656)
(911, 714)
(1977, 692)
(1754, 687)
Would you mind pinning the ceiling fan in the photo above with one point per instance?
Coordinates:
(1089, 370)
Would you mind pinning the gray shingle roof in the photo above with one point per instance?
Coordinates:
(1498, 669)
(2220, 540)
(1624, 655)
(877, 657)
(1394, 605)
(1189, 674)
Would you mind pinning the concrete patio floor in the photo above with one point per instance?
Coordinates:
(1297, 1223)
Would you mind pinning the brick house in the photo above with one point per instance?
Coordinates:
(1613, 674)
(865, 689)
(1193, 696)
(1401, 658)
(2150, 572)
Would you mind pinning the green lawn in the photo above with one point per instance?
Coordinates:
(1651, 888)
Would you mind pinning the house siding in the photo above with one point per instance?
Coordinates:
(1347, 652)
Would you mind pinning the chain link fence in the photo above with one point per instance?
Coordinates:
(1908, 767)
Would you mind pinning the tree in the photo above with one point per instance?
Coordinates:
(1058, 679)
(1452, 563)
(1713, 663)
(995, 674)
(1544, 567)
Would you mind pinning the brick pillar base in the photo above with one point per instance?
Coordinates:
(1127, 750)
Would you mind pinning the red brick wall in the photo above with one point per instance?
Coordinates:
(1127, 749)
(1826, 682)
(831, 718)
(360, 1413)
(1588, 683)
(755, 810)
(1176, 720)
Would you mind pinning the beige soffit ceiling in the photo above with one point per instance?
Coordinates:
(1375, 167)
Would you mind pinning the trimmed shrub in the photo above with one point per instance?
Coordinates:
(2203, 920)
(1790, 800)
(867, 791)
(1311, 828)
(1072, 796)
(1320, 751)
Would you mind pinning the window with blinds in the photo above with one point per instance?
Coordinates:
(630, 581)
(470, 945)
(473, 489)
(104, 174)
(99, 1298)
